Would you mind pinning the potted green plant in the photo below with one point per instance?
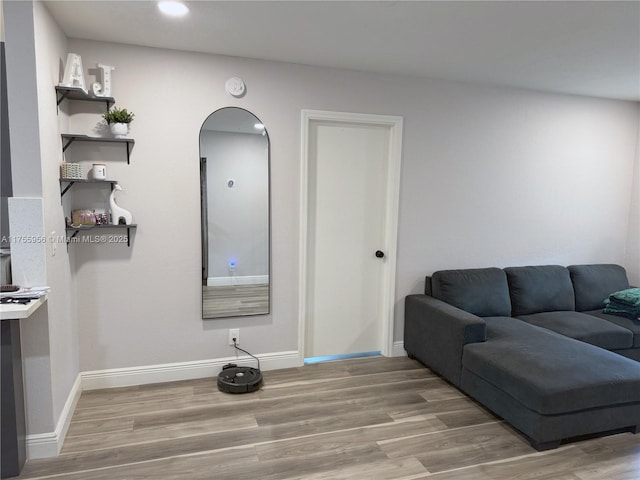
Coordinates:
(119, 119)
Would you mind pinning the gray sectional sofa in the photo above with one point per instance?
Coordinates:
(532, 345)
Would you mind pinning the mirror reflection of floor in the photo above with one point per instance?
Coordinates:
(234, 300)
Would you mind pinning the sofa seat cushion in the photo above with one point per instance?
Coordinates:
(550, 373)
(632, 325)
(594, 283)
(481, 291)
(544, 288)
(583, 327)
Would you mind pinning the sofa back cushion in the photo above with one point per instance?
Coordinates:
(480, 291)
(536, 289)
(592, 284)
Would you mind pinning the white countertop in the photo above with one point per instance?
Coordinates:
(14, 311)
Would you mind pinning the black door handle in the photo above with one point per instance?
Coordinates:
(379, 253)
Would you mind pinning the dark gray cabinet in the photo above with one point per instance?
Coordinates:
(13, 447)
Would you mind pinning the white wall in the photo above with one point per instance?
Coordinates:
(490, 177)
(531, 179)
(238, 216)
(633, 241)
(51, 52)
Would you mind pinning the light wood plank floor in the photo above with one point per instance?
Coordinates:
(234, 300)
(364, 419)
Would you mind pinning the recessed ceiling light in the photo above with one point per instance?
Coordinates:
(173, 9)
(258, 126)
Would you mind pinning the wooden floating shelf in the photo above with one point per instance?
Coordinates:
(73, 181)
(74, 231)
(69, 138)
(76, 93)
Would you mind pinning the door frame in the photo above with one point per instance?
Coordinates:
(391, 217)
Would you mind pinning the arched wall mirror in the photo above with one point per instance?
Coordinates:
(234, 190)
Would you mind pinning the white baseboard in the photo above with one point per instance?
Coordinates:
(42, 445)
(47, 445)
(244, 280)
(398, 349)
(170, 372)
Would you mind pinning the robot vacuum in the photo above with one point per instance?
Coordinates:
(235, 379)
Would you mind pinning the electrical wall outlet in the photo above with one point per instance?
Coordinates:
(234, 333)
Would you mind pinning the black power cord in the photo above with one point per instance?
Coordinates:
(242, 350)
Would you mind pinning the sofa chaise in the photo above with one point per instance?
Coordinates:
(533, 346)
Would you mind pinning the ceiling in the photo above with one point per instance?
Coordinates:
(575, 47)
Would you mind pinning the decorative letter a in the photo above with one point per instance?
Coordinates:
(73, 72)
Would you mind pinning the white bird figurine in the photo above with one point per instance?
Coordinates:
(117, 212)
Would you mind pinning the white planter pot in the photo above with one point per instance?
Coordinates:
(120, 130)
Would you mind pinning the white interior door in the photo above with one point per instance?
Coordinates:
(347, 198)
